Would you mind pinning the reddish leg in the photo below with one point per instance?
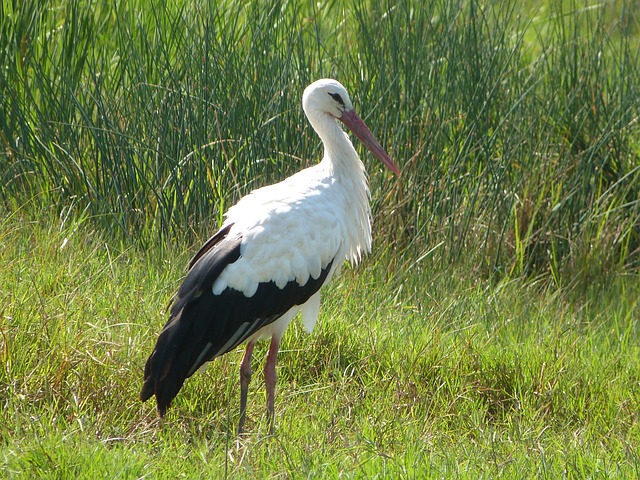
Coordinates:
(245, 378)
(270, 379)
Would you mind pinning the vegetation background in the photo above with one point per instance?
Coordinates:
(493, 331)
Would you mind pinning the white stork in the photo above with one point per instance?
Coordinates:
(276, 248)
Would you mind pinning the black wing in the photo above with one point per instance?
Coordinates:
(202, 325)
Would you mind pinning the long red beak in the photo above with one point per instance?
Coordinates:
(359, 128)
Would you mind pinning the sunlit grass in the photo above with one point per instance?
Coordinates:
(444, 373)
(492, 332)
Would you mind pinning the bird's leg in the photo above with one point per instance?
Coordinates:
(245, 378)
(270, 378)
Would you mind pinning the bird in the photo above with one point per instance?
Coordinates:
(275, 250)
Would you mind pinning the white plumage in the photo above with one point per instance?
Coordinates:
(276, 248)
(290, 231)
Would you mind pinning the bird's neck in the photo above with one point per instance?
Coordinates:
(339, 153)
(341, 159)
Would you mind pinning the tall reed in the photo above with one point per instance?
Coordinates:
(516, 128)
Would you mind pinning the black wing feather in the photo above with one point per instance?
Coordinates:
(199, 318)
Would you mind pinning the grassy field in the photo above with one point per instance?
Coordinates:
(407, 375)
(492, 333)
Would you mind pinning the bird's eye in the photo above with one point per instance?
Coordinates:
(337, 98)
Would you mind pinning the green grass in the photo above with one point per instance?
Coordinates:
(494, 330)
(406, 375)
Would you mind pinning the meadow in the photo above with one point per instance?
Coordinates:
(493, 331)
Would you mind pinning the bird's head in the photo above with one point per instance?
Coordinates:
(326, 96)
(329, 97)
